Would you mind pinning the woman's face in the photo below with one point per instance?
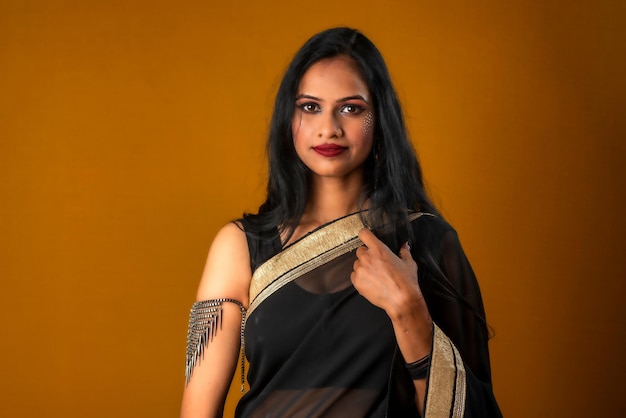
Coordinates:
(333, 122)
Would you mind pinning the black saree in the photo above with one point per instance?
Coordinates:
(318, 349)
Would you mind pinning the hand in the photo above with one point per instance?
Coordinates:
(390, 282)
(386, 280)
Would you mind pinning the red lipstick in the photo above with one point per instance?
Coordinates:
(329, 150)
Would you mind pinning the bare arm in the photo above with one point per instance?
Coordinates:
(226, 275)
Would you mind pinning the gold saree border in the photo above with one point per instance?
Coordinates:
(330, 241)
(333, 240)
(446, 391)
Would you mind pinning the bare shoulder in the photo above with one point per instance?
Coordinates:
(227, 271)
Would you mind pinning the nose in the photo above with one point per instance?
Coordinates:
(330, 126)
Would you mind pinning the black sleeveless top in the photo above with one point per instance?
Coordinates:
(319, 349)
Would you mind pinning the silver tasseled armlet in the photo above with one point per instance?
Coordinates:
(204, 319)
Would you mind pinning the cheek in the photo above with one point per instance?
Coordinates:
(368, 124)
(296, 124)
(301, 126)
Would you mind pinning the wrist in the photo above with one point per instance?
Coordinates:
(419, 369)
(414, 334)
(411, 313)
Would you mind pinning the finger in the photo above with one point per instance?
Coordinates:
(369, 239)
(405, 252)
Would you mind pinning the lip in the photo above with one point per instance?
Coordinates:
(329, 150)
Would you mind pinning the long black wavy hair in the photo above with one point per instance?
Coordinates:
(393, 180)
(393, 183)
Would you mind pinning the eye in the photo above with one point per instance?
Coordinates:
(309, 107)
(351, 109)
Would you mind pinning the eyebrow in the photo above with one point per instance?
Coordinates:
(343, 99)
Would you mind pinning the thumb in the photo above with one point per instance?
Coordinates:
(405, 252)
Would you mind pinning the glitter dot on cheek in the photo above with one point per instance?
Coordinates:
(368, 122)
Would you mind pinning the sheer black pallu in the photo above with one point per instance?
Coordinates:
(318, 349)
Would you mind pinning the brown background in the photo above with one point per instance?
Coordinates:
(130, 131)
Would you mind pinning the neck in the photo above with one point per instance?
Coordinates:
(331, 198)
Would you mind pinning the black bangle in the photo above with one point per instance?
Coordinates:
(418, 369)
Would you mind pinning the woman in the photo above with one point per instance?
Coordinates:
(353, 297)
